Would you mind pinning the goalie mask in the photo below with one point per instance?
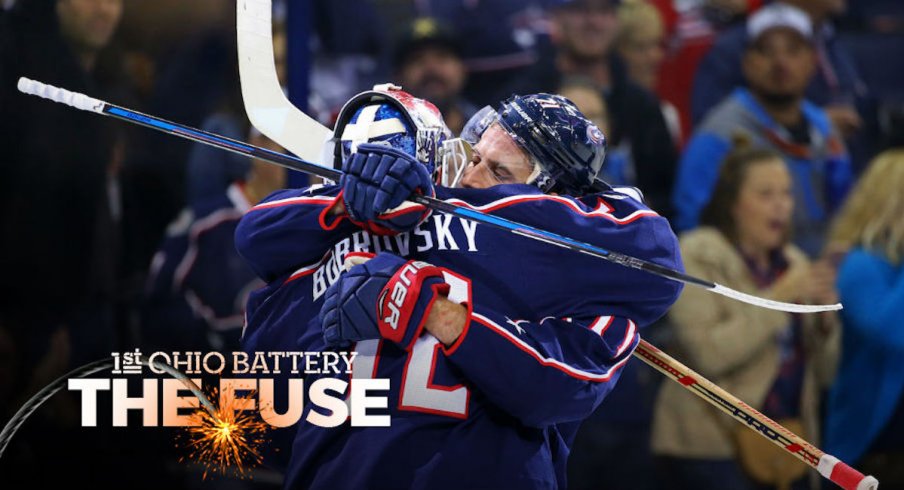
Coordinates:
(389, 115)
(566, 150)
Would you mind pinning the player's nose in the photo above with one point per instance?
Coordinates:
(473, 176)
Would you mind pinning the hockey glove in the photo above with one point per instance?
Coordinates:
(385, 297)
(377, 180)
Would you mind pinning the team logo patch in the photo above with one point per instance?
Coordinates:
(595, 135)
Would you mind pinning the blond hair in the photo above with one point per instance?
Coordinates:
(873, 216)
(638, 16)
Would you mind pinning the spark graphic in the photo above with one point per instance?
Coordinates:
(227, 439)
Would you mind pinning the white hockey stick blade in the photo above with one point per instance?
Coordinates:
(267, 106)
(772, 304)
(63, 96)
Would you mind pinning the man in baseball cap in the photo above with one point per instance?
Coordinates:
(779, 16)
(428, 64)
(779, 59)
(778, 63)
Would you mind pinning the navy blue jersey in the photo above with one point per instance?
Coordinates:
(549, 330)
(198, 285)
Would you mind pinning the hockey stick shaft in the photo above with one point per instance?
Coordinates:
(827, 465)
(272, 114)
(83, 102)
(90, 104)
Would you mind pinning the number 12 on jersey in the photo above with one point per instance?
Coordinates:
(418, 392)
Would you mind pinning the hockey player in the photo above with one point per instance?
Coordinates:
(197, 285)
(504, 344)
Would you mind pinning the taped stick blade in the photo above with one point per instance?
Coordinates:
(772, 304)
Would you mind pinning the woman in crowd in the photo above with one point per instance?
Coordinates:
(641, 44)
(774, 361)
(865, 415)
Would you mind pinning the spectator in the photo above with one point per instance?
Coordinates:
(349, 47)
(865, 416)
(589, 100)
(584, 33)
(58, 254)
(836, 87)
(428, 65)
(198, 285)
(585, 95)
(872, 32)
(500, 40)
(691, 28)
(778, 63)
(641, 44)
(774, 361)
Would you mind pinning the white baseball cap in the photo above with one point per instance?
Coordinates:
(778, 15)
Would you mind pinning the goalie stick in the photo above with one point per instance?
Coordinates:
(827, 465)
(85, 103)
(267, 106)
(262, 95)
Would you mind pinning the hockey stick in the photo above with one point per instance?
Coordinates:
(267, 106)
(35, 402)
(85, 103)
(263, 96)
(827, 465)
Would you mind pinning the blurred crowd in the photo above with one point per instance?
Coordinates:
(771, 133)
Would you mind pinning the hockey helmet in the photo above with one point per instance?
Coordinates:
(390, 115)
(566, 149)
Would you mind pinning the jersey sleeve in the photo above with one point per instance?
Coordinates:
(290, 228)
(559, 282)
(545, 372)
(167, 318)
